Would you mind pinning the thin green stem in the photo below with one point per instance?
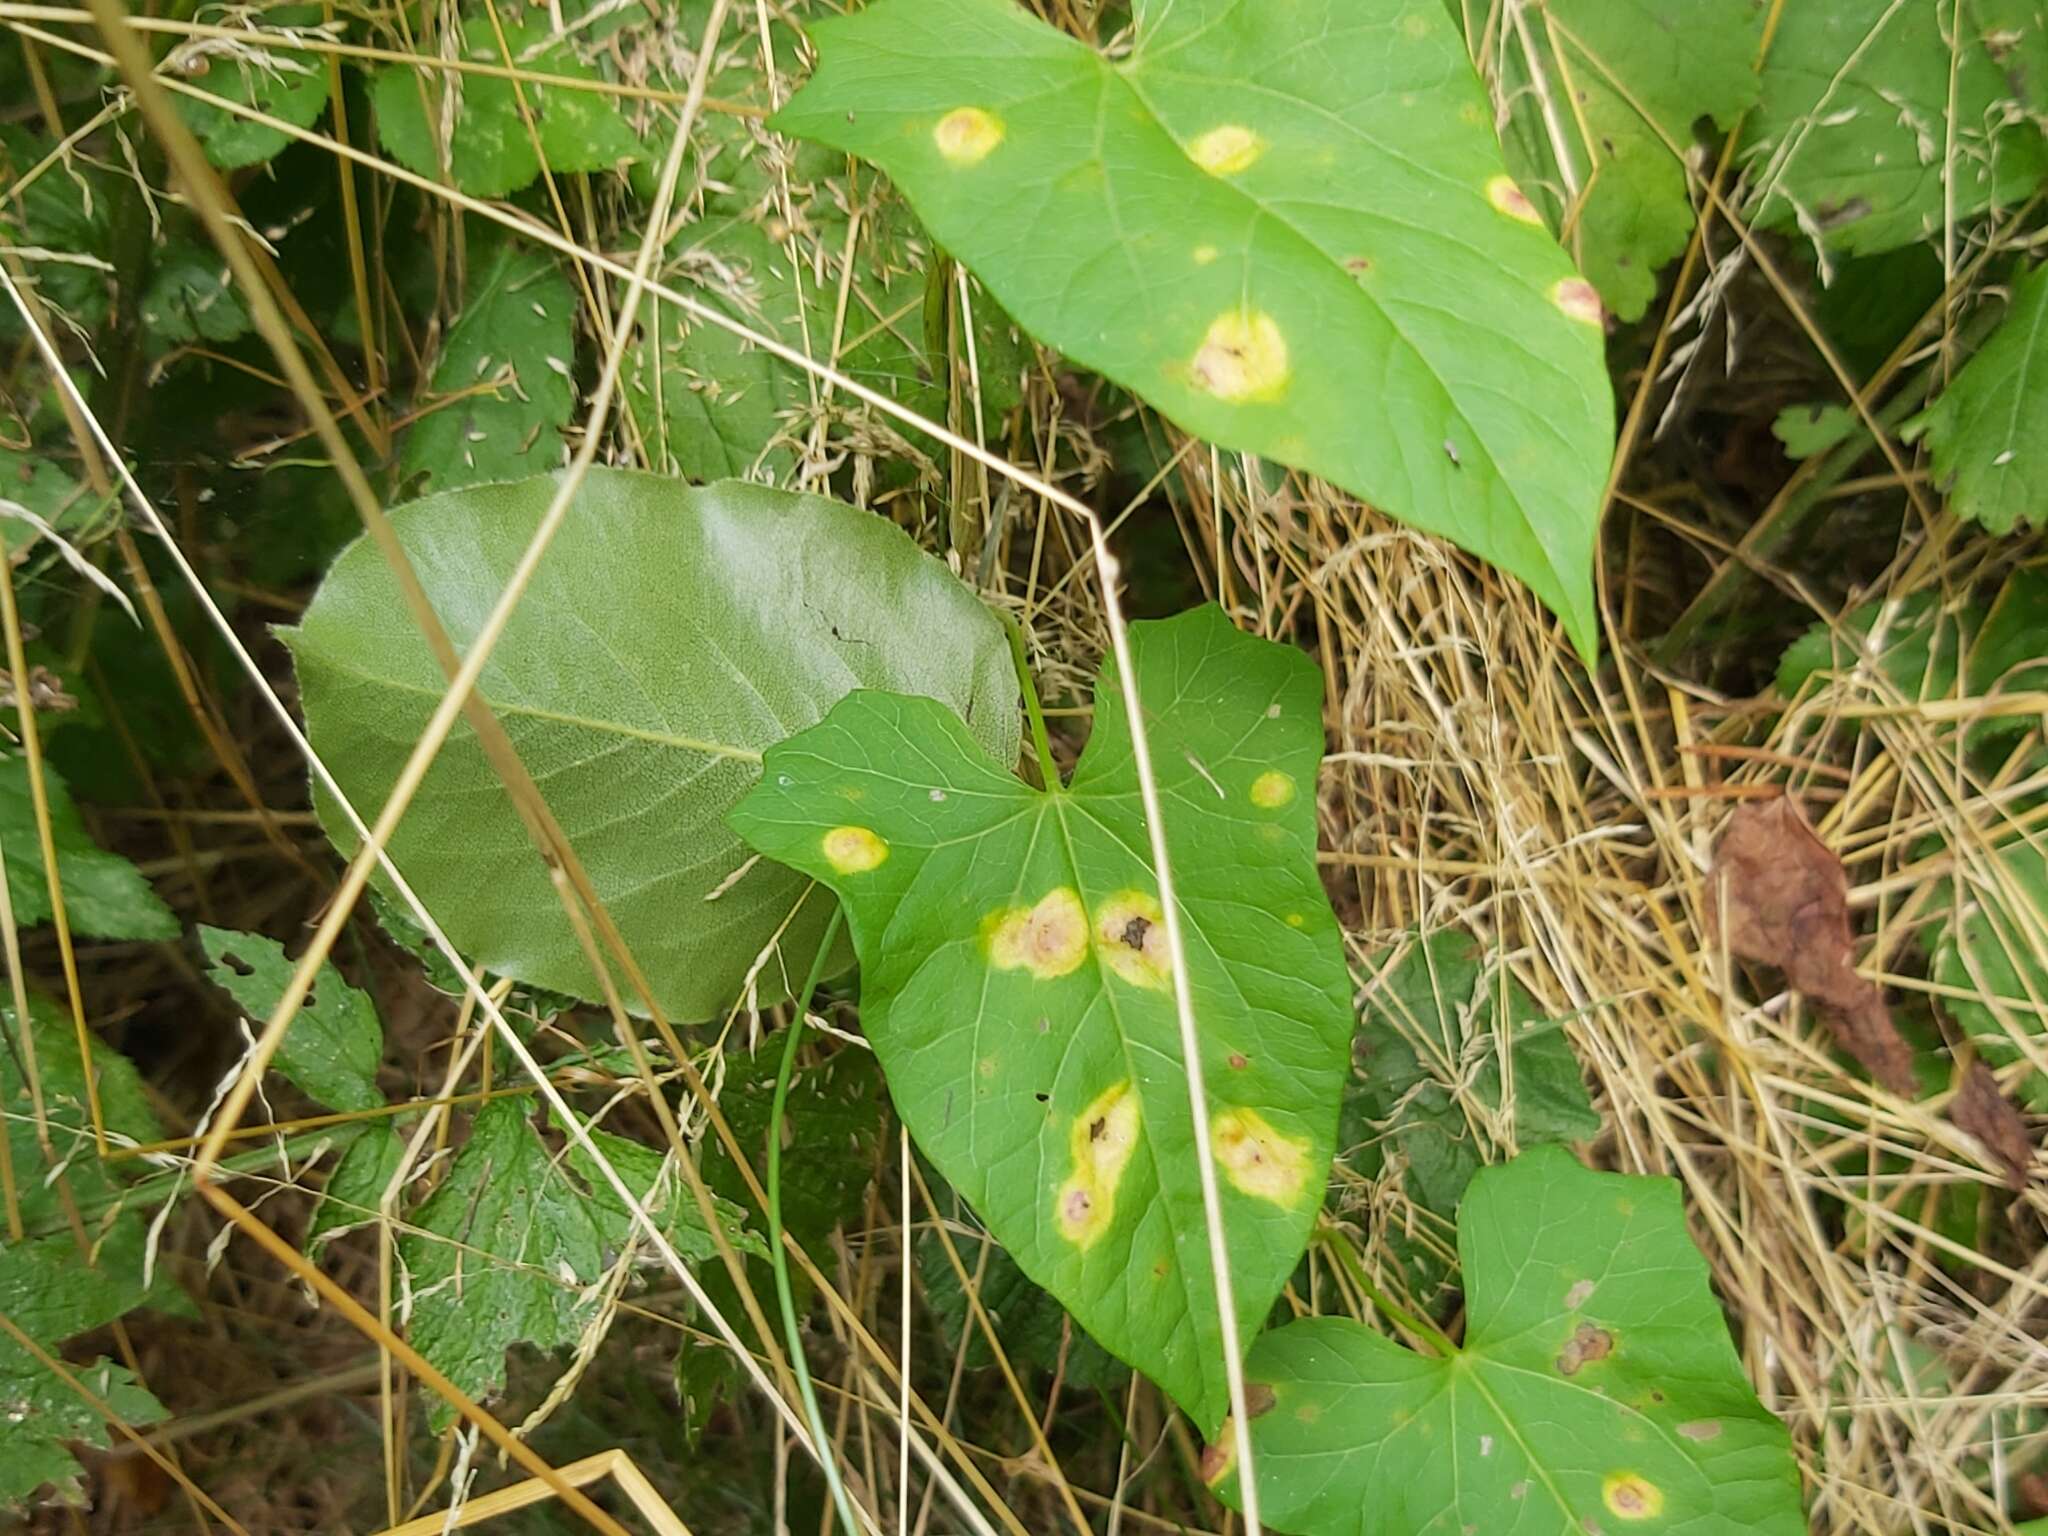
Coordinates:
(1421, 1327)
(1041, 743)
(784, 1296)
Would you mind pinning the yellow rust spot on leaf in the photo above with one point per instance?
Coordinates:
(1048, 940)
(1631, 1497)
(967, 135)
(1272, 789)
(1511, 200)
(1104, 1136)
(1579, 300)
(1204, 254)
(1130, 940)
(1257, 1158)
(1226, 150)
(1243, 357)
(1586, 1345)
(853, 850)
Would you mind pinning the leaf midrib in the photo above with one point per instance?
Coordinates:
(702, 746)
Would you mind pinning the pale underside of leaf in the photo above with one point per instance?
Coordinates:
(669, 636)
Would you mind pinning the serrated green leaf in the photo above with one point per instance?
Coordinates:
(95, 1186)
(361, 1175)
(1852, 140)
(285, 84)
(662, 1195)
(832, 1131)
(641, 715)
(1917, 652)
(1287, 227)
(40, 1416)
(35, 480)
(1992, 947)
(492, 152)
(1638, 74)
(516, 336)
(1596, 1388)
(336, 1041)
(1015, 986)
(498, 1255)
(1034, 1328)
(189, 297)
(1437, 1026)
(105, 897)
(1988, 433)
(1806, 430)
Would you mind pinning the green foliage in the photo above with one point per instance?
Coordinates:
(833, 1130)
(335, 1042)
(497, 147)
(1987, 949)
(1035, 1330)
(71, 224)
(361, 1174)
(1595, 1388)
(105, 896)
(49, 1292)
(189, 298)
(1853, 140)
(1985, 433)
(1437, 1027)
(717, 406)
(1015, 985)
(1806, 430)
(642, 714)
(288, 85)
(1606, 169)
(1244, 267)
(510, 360)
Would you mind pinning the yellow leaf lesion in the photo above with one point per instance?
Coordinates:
(1130, 940)
(1101, 1142)
(967, 136)
(854, 850)
(1049, 939)
(1257, 1158)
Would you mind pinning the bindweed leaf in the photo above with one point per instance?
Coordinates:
(1596, 1389)
(669, 636)
(1016, 986)
(1289, 227)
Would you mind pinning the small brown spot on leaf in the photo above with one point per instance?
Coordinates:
(1701, 1430)
(1583, 1347)
(1258, 1399)
(1239, 1061)
(1578, 1295)
(1781, 898)
(1133, 936)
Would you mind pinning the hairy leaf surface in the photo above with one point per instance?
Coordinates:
(1596, 1389)
(669, 636)
(105, 896)
(1988, 433)
(1016, 986)
(1288, 227)
(1853, 141)
(503, 388)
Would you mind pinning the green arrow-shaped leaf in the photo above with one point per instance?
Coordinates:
(1596, 1389)
(1016, 986)
(1286, 225)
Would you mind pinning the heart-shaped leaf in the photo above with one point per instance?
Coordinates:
(1596, 1390)
(1016, 985)
(669, 635)
(1289, 227)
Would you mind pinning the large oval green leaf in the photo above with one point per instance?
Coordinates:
(669, 636)
(1596, 1390)
(1287, 225)
(1015, 985)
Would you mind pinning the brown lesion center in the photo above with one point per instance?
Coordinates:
(1135, 931)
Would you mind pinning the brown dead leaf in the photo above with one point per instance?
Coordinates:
(1782, 899)
(1982, 1110)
